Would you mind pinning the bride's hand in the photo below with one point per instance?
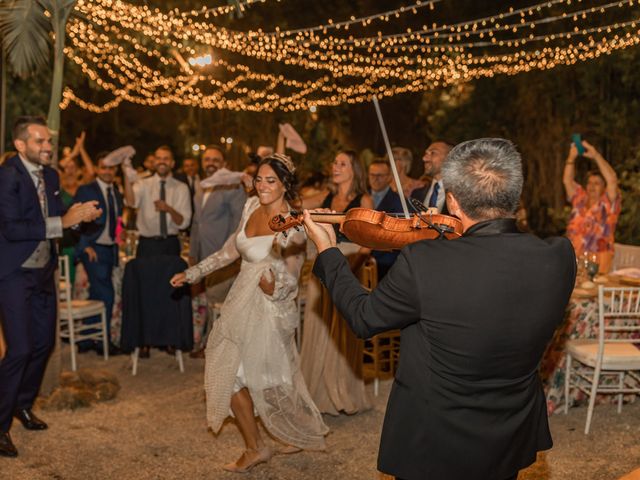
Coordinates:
(267, 285)
(178, 280)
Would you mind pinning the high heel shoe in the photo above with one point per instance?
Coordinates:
(252, 457)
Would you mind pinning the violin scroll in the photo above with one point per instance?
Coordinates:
(280, 223)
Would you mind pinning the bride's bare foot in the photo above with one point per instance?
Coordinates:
(287, 449)
(249, 459)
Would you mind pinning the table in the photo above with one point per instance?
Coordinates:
(81, 292)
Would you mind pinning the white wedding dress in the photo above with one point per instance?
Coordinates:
(252, 342)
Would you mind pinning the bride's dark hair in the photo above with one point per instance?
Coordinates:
(288, 178)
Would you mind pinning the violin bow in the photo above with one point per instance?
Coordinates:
(392, 160)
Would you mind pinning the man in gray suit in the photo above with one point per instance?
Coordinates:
(216, 216)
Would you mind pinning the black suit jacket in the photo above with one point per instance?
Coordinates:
(467, 402)
(90, 232)
(193, 189)
(421, 193)
(22, 225)
(390, 203)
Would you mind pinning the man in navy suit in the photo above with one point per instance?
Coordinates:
(31, 216)
(384, 200)
(97, 248)
(433, 194)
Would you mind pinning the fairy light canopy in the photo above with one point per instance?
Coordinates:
(151, 57)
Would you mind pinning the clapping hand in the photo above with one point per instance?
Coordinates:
(81, 212)
(79, 146)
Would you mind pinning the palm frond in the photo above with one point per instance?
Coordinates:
(25, 32)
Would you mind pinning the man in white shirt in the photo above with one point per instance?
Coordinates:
(151, 316)
(433, 195)
(164, 207)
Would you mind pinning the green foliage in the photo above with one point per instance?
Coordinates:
(628, 229)
(539, 111)
(25, 33)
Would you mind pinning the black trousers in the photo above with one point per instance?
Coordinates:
(28, 304)
(154, 246)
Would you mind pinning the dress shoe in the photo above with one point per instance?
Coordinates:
(7, 448)
(29, 420)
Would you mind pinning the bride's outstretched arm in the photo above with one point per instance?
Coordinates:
(223, 257)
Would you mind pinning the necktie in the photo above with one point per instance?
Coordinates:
(163, 215)
(42, 193)
(111, 214)
(433, 200)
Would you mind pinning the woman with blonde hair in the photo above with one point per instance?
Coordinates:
(331, 355)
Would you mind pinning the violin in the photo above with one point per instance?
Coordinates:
(379, 230)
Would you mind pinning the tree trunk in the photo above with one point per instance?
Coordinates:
(59, 22)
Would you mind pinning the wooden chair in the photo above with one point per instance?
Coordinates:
(614, 353)
(136, 355)
(382, 350)
(301, 299)
(72, 312)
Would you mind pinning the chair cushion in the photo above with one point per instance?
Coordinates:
(81, 308)
(617, 356)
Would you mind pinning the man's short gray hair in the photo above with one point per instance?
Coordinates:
(485, 177)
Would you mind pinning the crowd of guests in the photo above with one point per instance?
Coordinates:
(252, 364)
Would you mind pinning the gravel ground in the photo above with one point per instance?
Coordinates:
(155, 429)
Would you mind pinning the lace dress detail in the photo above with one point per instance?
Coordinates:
(252, 343)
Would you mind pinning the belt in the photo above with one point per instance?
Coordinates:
(159, 237)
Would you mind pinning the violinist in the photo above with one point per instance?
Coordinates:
(467, 402)
(331, 355)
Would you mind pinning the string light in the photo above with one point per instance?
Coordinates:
(144, 66)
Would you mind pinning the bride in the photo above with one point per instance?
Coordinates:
(252, 365)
